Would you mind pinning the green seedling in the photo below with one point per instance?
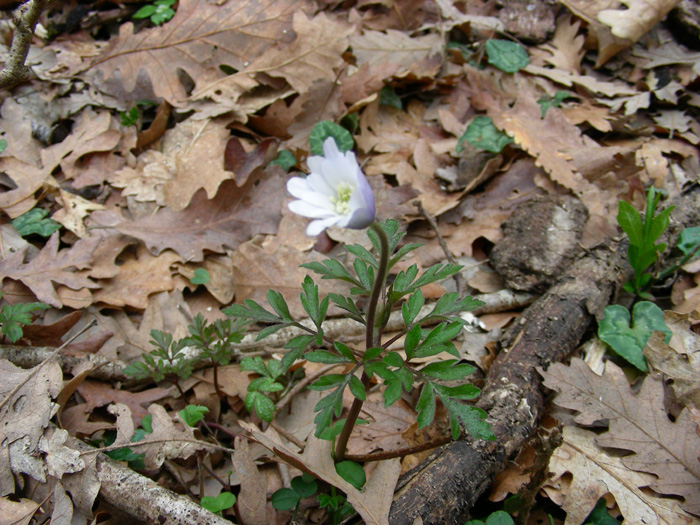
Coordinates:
(628, 337)
(14, 316)
(201, 276)
(158, 12)
(499, 517)
(643, 233)
(506, 55)
(481, 133)
(553, 101)
(35, 221)
(193, 414)
(220, 503)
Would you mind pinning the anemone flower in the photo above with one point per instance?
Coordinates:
(336, 192)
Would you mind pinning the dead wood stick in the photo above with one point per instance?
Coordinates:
(141, 498)
(15, 71)
(444, 488)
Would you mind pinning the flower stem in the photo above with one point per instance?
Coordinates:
(372, 337)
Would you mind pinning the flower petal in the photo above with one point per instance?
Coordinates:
(316, 227)
(305, 209)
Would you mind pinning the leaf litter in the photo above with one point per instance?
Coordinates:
(246, 80)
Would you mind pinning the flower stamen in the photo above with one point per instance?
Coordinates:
(341, 201)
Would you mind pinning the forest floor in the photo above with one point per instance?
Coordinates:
(144, 169)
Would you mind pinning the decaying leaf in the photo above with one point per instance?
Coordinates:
(372, 503)
(596, 474)
(201, 36)
(637, 423)
(232, 217)
(49, 266)
(26, 408)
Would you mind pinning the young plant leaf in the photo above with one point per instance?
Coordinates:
(192, 414)
(629, 339)
(481, 133)
(284, 499)
(426, 406)
(506, 55)
(223, 501)
(351, 472)
(324, 129)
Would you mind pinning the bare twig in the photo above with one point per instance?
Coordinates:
(15, 71)
(450, 257)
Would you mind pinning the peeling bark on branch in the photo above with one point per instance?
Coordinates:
(15, 71)
(142, 498)
(445, 487)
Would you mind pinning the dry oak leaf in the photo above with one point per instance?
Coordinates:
(638, 423)
(75, 209)
(139, 277)
(50, 266)
(633, 23)
(202, 35)
(232, 217)
(28, 180)
(166, 441)
(26, 407)
(372, 502)
(252, 499)
(60, 459)
(595, 474)
(592, 84)
(418, 56)
(565, 50)
(313, 55)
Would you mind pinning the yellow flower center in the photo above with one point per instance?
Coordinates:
(341, 201)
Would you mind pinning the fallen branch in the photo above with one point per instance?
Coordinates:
(15, 71)
(141, 498)
(547, 332)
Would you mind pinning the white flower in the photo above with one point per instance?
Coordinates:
(336, 192)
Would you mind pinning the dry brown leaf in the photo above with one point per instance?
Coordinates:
(75, 209)
(60, 459)
(28, 180)
(639, 17)
(252, 499)
(638, 423)
(372, 503)
(26, 408)
(565, 50)
(18, 512)
(595, 474)
(386, 425)
(313, 55)
(232, 217)
(201, 36)
(50, 266)
(166, 441)
(98, 394)
(592, 84)
(418, 56)
(139, 276)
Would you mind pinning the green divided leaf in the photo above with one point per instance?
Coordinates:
(325, 129)
(201, 276)
(223, 501)
(13, 316)
(3, 145)
(629, 339)
(35, 222)
(351, 472)
(506, 55)
(481, 133)
(192, 414)
(285, 159)
(304, 485)
(553, 101)
(263, 405)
